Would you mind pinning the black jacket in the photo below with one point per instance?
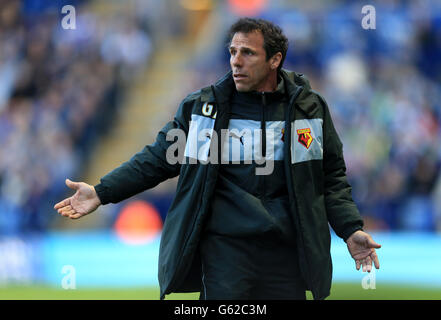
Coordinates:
(316, 182)
(245, 203)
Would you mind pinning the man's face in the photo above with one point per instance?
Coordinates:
(248, 62)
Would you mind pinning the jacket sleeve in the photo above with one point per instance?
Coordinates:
(145, 169)
(342, 212)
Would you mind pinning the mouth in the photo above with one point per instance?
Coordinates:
(239, 76)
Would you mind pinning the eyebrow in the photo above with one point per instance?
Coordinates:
(242, 48)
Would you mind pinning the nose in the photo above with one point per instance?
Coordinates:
(236, 60)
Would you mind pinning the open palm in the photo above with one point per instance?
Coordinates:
(362, 247)
(84, 201)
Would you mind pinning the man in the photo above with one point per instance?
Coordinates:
(239, 228)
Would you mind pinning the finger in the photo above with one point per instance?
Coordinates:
(73, 185)
(64, 210)
(70, 212)
(67, 213)
(375, 259)
(63, 203)
(75, 216)
(368, 262)
(357, 264)
(63, 213)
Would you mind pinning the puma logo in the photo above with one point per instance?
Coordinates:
(234, 135)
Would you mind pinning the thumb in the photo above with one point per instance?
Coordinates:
(72, 185)
(373, 244)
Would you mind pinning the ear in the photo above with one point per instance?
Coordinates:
(275, 60)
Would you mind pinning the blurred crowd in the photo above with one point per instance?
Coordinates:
(59, 91)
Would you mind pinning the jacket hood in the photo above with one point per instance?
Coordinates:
(307, 100)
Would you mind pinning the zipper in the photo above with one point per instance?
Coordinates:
(263, 125)
(263, 144)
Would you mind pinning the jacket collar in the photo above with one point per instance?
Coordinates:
(221, 91)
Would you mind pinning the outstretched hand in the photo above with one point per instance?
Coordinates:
(84, 201)
(362, 247)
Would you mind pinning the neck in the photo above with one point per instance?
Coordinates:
(270, 83)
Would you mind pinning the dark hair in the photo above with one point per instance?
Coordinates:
(273, 37)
